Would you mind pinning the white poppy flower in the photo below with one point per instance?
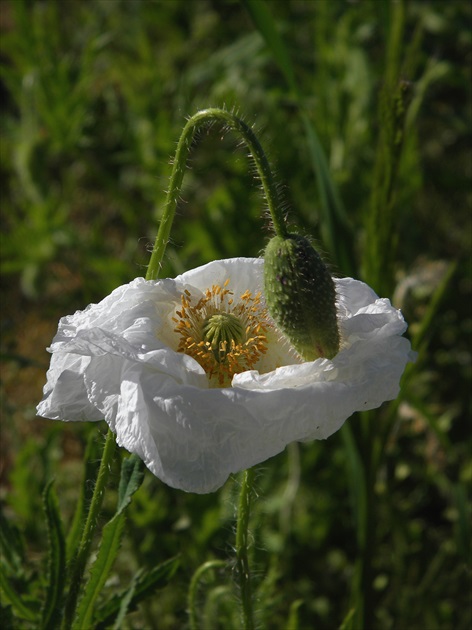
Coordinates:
(194, 377)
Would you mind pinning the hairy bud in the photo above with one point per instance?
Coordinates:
(301, 296)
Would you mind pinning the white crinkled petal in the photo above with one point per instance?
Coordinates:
(245, 274)
(117, 360)
(196, 438)
(65, 394)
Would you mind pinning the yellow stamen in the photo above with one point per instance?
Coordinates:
(224, 334)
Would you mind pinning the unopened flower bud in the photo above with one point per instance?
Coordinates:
(301, 296)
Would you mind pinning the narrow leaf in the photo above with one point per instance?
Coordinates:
(132, 475)
(107, 551)
(11, 545)
(348, 621)
(51, 612)
(336, 229)
(79, 560)
(463, 533)
(293, 622)
(6, 615)
(92, 463)
(11, 596)
(146, 583)
(125, 603)
(264, 22)
(356, 478)
(420, 337)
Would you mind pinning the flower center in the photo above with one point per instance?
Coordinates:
(223, 331)
(224, 335)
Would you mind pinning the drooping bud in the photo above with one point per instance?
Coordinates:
(301, 296)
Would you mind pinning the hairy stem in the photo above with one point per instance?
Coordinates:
(199, 120)
(80, 561)
(242, 559)
(192, 593)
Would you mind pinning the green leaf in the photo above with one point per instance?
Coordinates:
(92, 463)
(381, 221)
(79, 561)
(265, 24)
(356, 477)
(293, 621)
(12, 597)
(210, 565)
(132, 474)
(125, 602)
(11, 545)
(335, 226)
(336, 229)
(51, 612)
(420, 339)
(348, 621)
(6, 615)
(462, 526)
(107, 551)
(143, 584)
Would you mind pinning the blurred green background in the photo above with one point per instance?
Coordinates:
(365, 111)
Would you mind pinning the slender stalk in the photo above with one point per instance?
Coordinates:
(367, 533)
(199, 120)
(242, 559)
(381, 228)
(192, 592)
(78, 566)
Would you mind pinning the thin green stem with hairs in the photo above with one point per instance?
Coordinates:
(192, 592)
(202, 119)
(80, 561)
(198, 121)
(242, 557)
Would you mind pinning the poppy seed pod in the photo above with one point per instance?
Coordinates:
(301, 296)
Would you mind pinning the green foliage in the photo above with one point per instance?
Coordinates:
(13, 574)
(130, 480)
(366, 110)
(52, 609)
(143, 584)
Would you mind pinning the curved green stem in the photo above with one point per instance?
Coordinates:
(80, 561)
(192, 592)
(197, 121)
(242, 559)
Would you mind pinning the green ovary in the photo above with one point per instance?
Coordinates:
(223, 331)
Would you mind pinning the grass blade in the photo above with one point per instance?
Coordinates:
(10, 596)
(11, 545)
(382, 219)
(463, 529)
(143, 584)
(293, 621)
(356, 477)
(125, 603)
(52, 610)
(262, 18)
(335, 228)
(132, 474)
(92, 463)
(107, 551)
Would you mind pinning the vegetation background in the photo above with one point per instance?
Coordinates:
(365, 109)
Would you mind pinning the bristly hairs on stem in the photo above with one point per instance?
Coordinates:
(205, 119)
